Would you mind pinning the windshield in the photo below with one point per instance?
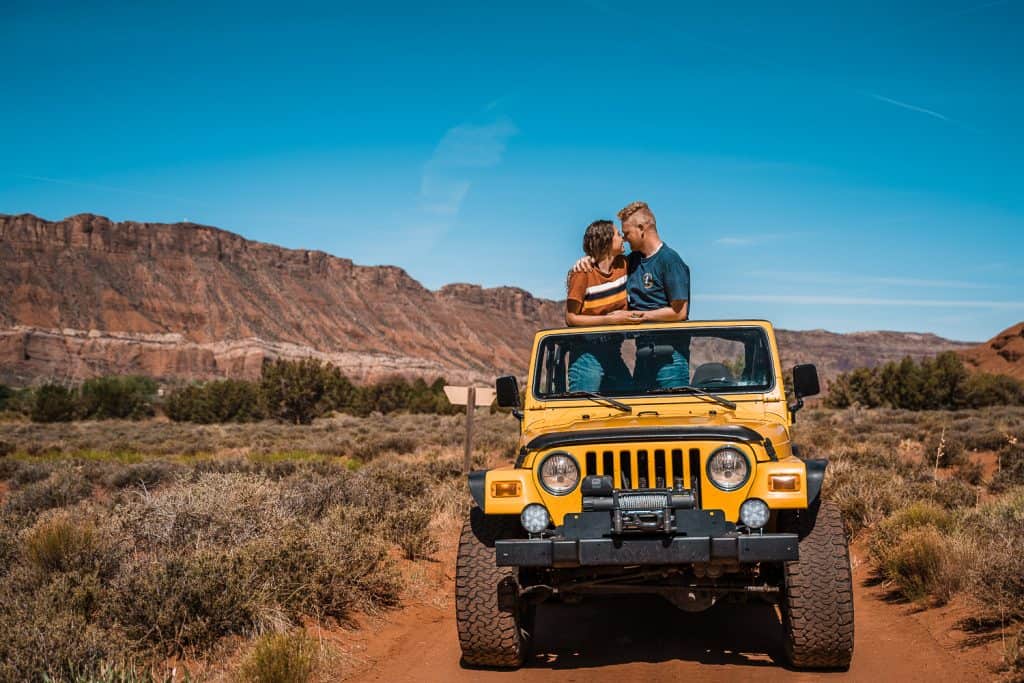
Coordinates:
(642, 362)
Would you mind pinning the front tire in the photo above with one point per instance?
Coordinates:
(817, 608)
(492, 623)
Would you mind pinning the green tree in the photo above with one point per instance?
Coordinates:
(228, 400)
(297, 391)
(53, 403)
(117, 397)
(940, 383)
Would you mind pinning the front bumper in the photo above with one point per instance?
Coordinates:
(623, 551)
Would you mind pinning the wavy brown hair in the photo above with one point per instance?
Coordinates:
(597, 239)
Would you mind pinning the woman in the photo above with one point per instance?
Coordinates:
(598, 297)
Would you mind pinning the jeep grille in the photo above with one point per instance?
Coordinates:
(647, 468)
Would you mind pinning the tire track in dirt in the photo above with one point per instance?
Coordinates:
(627, 639)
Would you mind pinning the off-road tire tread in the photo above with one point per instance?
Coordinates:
(485, 595)
(818, 607)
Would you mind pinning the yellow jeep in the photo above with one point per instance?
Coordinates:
(655, 459)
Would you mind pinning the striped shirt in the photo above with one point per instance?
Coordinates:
(596, 293)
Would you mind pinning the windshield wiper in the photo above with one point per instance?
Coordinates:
(694, 390)
(594, 396)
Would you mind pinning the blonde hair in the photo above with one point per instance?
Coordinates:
(638, 207)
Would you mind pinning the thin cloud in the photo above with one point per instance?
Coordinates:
(811, 300)
(911, 107)
(736, 241)
(463, 149)
(847, 279)
(109, 188)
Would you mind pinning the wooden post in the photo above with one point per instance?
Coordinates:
(470, 409)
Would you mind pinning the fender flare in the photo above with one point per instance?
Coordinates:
(478, 487)
(815, 478)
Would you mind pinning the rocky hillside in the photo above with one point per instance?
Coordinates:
(87, 296)
(1001, 355)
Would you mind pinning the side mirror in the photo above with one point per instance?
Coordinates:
(805, 383)
(507, 389)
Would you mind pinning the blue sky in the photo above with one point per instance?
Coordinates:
(848, 165)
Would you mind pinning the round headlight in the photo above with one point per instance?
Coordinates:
(559, 473)
(535, 518)
(754, 513)
(728, 469)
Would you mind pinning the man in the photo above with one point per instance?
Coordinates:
(658, 289)
(658, 285)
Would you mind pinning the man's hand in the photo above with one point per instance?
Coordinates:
(584, 265)
(622, 317)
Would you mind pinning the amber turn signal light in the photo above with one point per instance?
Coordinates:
(505, 489)
(784, 482)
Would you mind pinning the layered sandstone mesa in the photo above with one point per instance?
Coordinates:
(1001, 355)
(86, 296)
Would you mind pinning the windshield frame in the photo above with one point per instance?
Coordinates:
(732, 391)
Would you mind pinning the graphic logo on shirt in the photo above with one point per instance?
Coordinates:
(648, 281)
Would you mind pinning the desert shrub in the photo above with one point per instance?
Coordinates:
(62, 488)
(971, 472)
(1011, 468)
(865, 496)
(29, 472)
(10, 543)
(191, 600)
(923, 563)
(982, 389)
(981, 437)
(377, 444)
(176, 602)
(53, 403)
(226, 400)
(44, 639)
(280, 658)
(6, 394)
(117, 397)
(945, 448)
(950, 494)
(410, 530)
(63, 544)
(311, 495)
(6, 448)
(297, 391)
(144, 474)
(998, 575)
(9, 468)
(218, 510)
(1014, 652)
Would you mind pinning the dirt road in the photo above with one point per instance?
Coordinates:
(631, 639)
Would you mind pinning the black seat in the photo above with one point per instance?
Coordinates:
(709, 371)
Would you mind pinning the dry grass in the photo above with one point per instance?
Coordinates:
(112, 561)
(123, 543)
(280, 658)
(342, 435)
(908, 481)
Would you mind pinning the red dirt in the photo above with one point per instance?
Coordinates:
(634, 639)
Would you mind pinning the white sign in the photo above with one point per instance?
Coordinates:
(459, 396)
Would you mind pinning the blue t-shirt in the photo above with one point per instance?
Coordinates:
(656, 281)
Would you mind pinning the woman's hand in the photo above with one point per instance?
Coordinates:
(623, 317)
